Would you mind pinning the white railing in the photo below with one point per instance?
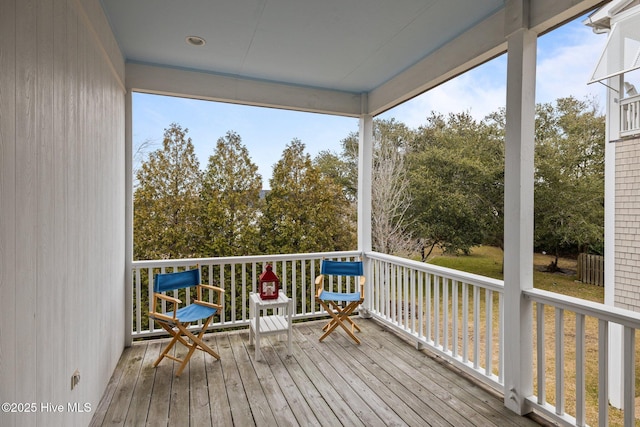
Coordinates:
(457, 315)
(239, 277)
(561, 308)
(630, 116)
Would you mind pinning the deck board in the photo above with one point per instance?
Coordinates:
(383, 381)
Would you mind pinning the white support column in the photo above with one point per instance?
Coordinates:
(615, 331)
(365, 170)
(128, 215)
(518, 222)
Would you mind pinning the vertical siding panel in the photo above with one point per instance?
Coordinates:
(84, 283)
(47, 344)
(59, 297)
(26, 199)
(71, 189)
(8, 334)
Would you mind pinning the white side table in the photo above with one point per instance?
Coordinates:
(269, 317)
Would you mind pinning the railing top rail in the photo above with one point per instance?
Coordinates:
(241, 259)
(630, 99)
(589, 308)
(486, 282)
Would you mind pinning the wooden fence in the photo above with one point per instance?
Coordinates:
(591, 269)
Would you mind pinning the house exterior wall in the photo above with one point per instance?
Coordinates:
(627, 224)
(62, 208)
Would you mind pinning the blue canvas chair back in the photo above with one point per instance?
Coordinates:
(170, 281)
(342, 268)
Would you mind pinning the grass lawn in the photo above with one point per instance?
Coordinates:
(487, 261)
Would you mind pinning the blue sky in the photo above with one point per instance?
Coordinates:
(566, 59)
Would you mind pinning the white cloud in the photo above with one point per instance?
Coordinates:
(565, 68)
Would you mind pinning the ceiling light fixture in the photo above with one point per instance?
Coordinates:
(195, 41)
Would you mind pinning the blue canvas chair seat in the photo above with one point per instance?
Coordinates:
(192, 313)
(177, 321)
(338, 296)
(340, 305)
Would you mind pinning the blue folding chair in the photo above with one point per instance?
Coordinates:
(340, 305)
(177, 321)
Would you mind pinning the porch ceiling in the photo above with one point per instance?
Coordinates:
(389, 49)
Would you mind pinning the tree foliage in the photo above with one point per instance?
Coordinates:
(231, 202)
(305, 211)
(440, 185)
(456, 176)
(569, 183)
(166, 201)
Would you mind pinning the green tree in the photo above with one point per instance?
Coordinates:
(335, 167)
(231, 200)
(569, 182)
(456, 171)
(305, 211)
(166, 200)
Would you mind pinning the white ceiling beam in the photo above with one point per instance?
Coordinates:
(213, 87)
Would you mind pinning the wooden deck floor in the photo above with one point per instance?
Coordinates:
(383, 381)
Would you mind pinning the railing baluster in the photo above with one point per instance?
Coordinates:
(445, 314)
(559, 361)
(397, 274)
(221, 280)
(465, 323)
(629, 361)
(540, 347)
(454, 318)
(405, 297)
(234, 291)
(313, 285)
(603, 372)
(139, 302)
(501, 338)
(488, 295)
(580, 370)
(476, 327)
(413, 300)
(436, 310)
(245, 296)
(303, 280)
(294, 284)
(392, 290)
(428, 286)
(420, 305)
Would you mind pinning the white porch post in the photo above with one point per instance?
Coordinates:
(128, 215)
(615, 356)
(365, 168)
(518, 208)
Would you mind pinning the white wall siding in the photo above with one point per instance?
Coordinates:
(62, 187)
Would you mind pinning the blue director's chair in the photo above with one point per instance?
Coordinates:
(177, 321)
(340, 305)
